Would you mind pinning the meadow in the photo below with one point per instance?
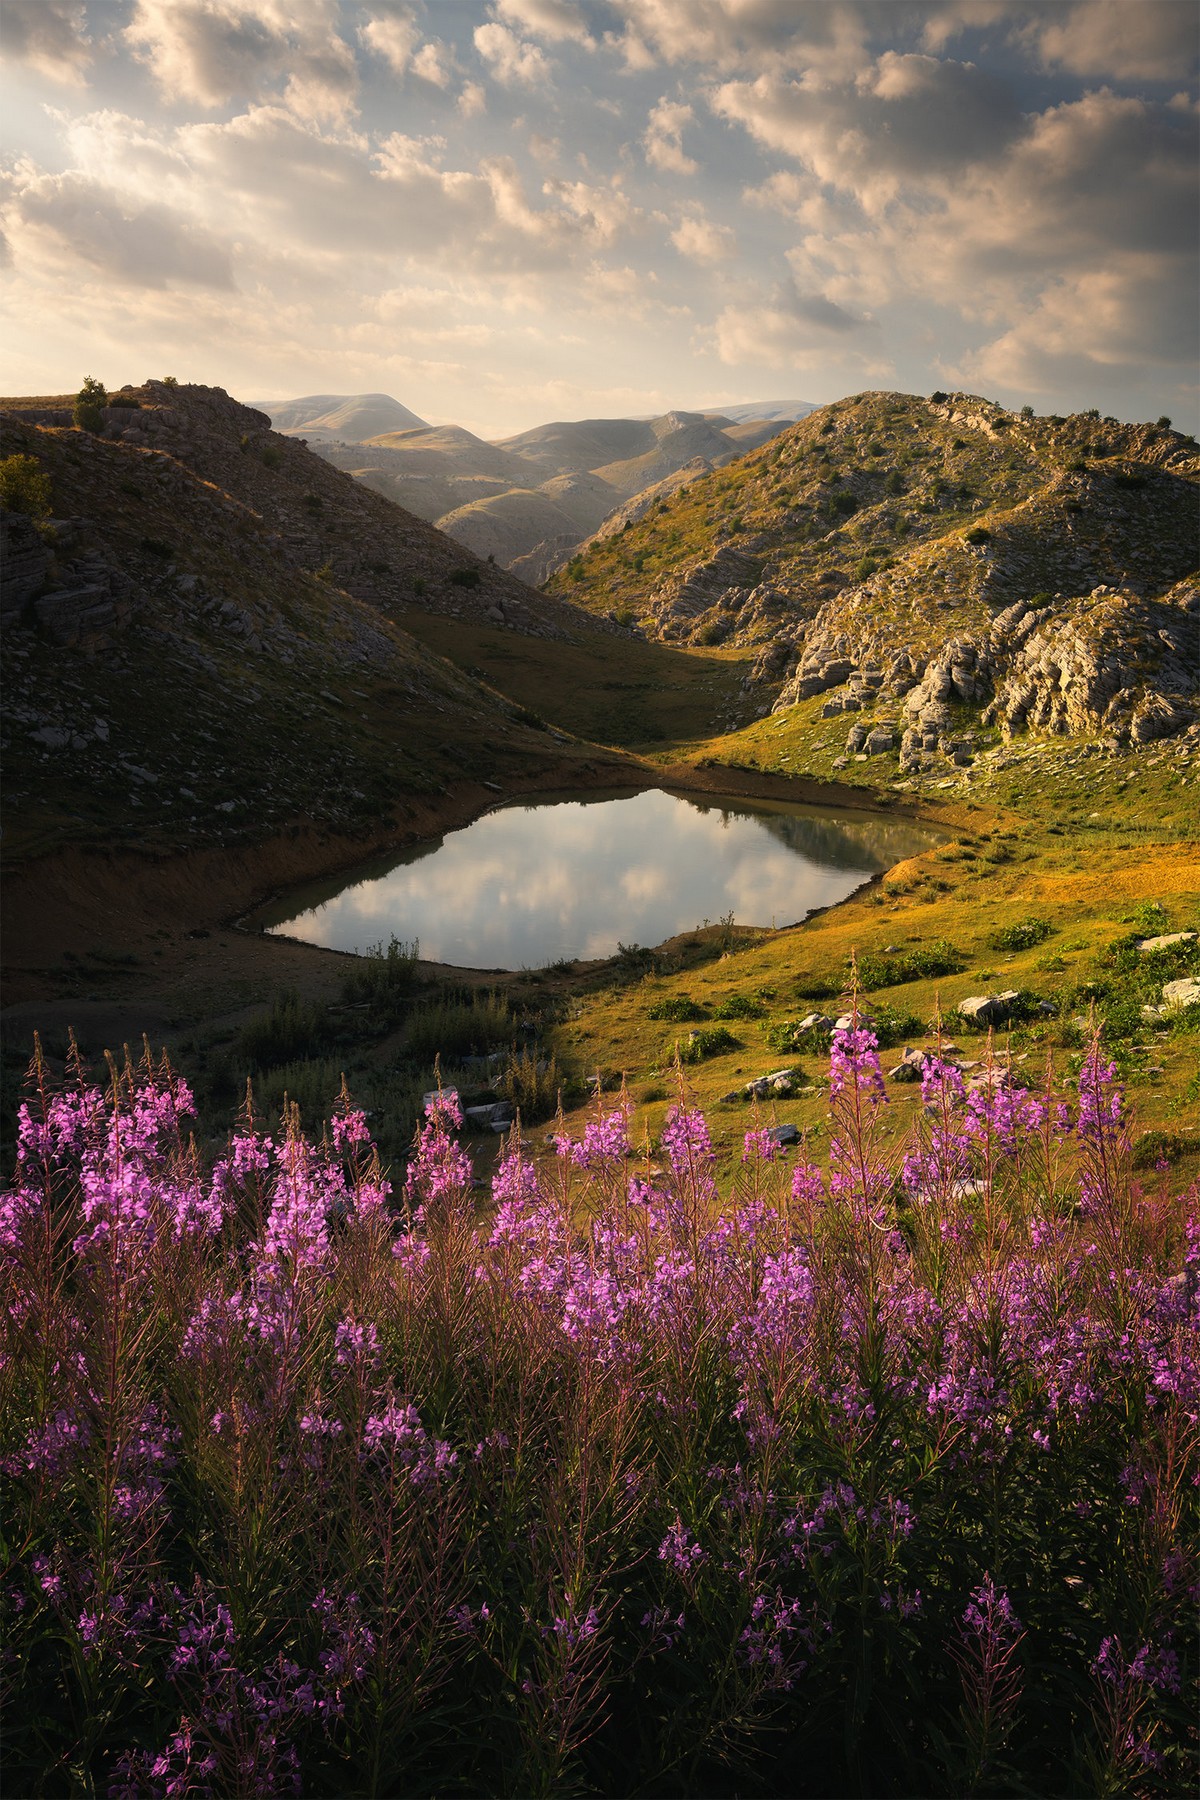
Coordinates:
(876, 1475)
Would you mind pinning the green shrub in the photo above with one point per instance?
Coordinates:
(710, 1040)
(270, 456)
(312, 1084)
(24, 486)
(384, 978)
(1023, 934)
(456, 1026)
(923, 963)
(90, 402)
(1163, 422)
(785, 1034)
(531, 1084)
(130, 401)
(891, 1026)
(1154, 1147)
(293, 1031)
(464, 578)
(531, 720)
(978, 534)
(677, 1008)
(738, 1006)
(866, 569)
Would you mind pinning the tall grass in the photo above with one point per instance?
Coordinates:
(873, 1479)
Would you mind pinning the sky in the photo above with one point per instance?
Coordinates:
(503, 212)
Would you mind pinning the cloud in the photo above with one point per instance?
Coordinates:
(213, 51)
(434, 63)
(394, 38)
(790, 330)
(559, 21)
(1154, 40)
(49, 36)
(728, 35)
(473, 100)
(511, 60)
(136, 244)
(663, 137)
(906, 119)
(697, 238)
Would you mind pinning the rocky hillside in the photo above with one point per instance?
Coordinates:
(199, 643)
(934, 566)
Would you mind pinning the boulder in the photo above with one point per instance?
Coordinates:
(783, 1135)
(1178, 994)
(497, 1116)
(911, 1066)
(1163, 943)
(988, 1009)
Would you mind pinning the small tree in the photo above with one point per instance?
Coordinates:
(1027, 412)
(1163, 423)
(90, 401)
(24, 486)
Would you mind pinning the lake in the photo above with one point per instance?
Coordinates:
(571, 876)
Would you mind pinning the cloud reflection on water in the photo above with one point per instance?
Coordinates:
(527, 884)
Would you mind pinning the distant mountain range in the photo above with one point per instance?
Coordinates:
(529, 500)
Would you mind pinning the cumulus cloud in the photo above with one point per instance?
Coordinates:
(74, 220)
(700, 240)
(394, 37)
(213, 51)
(796, 331)
(511, 60)
(473, 100)
(906, 119)
(559, 21)
(756, 34)
(49, 36)
(1154, 40)
(663, 137)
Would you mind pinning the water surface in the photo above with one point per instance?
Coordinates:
(570, 876)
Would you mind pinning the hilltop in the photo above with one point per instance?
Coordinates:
(204, 642)
(330, 417)
(948, 572)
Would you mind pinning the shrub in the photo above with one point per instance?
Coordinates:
(1163, 422)
(457, 1025)
(937, 397)
(464, 578)
(866, 568)
(676, 1007)
(129, 401)
(785, 1034)
(1027, 412)
(293, 1031)
(978, 534)
(922, 963)
(894, 483)
(709, 1040)
(531, 1084)
(311, 1084)
(384, 979)
(738, 1006)
(90, 402)
(271, 456)
(24, 486)
(1022, 934)
(1155, 1146)
(532, 721)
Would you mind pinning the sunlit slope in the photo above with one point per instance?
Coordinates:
(875, 536)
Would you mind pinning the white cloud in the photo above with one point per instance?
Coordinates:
(394, 38)
(559, 21)
(697, 238)
(67, 219)
(1126, 40)
(434, 63)
(49, 36)
(756, 34)
(787, 334)
(212, 51)
(472, 102)
(511, 60)
(663, 137)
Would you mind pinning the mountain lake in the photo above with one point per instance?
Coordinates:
(566, 876)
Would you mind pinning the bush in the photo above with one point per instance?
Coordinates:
(90, 402)
(312, 1084)
(738, 1006)
(866, 568)
(923, 963)
(978, 534)
(1163, 422)
(1155, 1146)
(937, 397)
(678, 1008)
(464, 578)
(293, 1031)
(271, 456)
(384, 979)
(531, 1084)
(709, 1040)
(455, 1026)
(24, 486)
(1023, 934)
(129, 401)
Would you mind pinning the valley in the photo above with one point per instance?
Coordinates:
(232, 668)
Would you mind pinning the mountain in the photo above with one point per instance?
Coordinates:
(784, 411)
(528, 500)
(329, 417)
(205, 644)
(934, 567)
